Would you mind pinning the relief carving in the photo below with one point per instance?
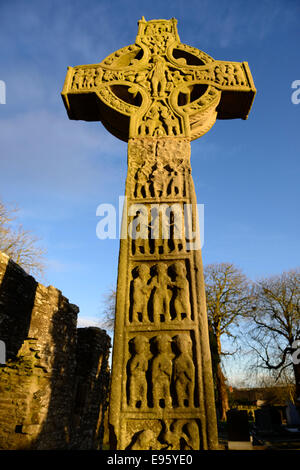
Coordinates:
(141, 176)
(162, 373)
(184, 371)
(158, 76)
(160, 294)
(173, 434)
(159, 180)
(144, 440)
(142, 434)
(157, 229)
(180, 286)
(140, 294)
(181, 435)
(78, 79)
(159, 121)
(137, 368)
(159, 69)
(174, 166)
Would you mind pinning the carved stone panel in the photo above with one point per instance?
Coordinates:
(157, 228)
(160, 293)
(161, 372)
(165, 434)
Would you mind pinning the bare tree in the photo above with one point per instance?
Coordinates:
(275, 337)
(109, 309)
(227, 299)
(20, 244)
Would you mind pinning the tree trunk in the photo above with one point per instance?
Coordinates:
(222, 393)
(221, 386)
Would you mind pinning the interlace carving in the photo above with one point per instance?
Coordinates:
(165, 87)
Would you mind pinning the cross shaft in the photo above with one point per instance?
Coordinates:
(158, 95)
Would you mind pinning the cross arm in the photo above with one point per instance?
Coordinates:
(235, 81)
(97, 92)
(232, 79)
(83, 84)
(78, 94)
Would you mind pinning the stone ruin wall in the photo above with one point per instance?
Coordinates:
(54, 384)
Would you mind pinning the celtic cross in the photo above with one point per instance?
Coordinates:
(159, 94)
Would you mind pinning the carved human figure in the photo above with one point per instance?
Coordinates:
(162, 372)
(107, 75)
(142, 176)
(89, 78)
(140, 294)
(161, 295)
(138, 366)
(158, 76)
(230, 75)
(182, 305)
(154, 117)
(98, 77)
(159, 180)
(177, 78)
(171, 122)
(239, 76)
(151, 121)
(173, 229)
(177, 232)
(184, 371)
(220, 72)
(141, 231)
(177, 182)
(209, 74)
(78, 79)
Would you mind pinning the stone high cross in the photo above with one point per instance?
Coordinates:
(159, 94)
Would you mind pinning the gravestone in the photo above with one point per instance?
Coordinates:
(238, 430)
(268, 420)
(158, 95)
(292, 416)
(276, 418)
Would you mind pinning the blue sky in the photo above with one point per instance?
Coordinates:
(58, 171)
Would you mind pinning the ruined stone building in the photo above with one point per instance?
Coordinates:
(54, 382)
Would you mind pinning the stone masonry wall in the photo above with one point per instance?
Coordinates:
(39, 382)
(92, 383)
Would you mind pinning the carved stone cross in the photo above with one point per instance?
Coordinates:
(159, 94)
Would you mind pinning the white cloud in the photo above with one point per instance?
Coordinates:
(84, 322)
